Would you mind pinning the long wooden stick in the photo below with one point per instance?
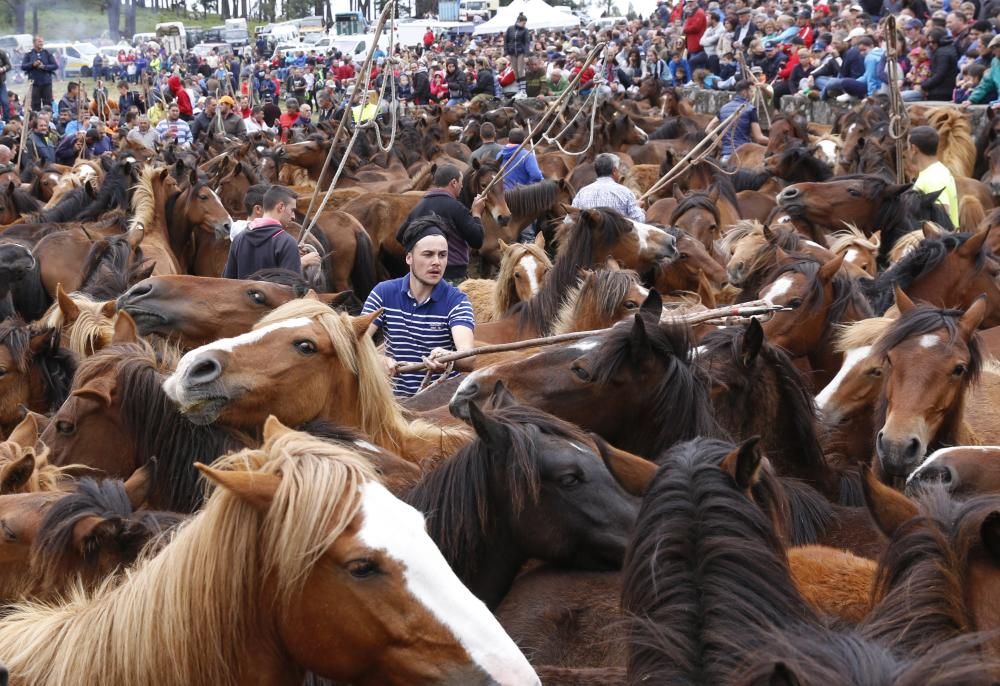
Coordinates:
(25, 122)
(745, 310)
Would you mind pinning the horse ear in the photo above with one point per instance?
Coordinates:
(134, 236)
(876, 238)
(501, 397)
(490, 431)
(611, 264)
(274, 429)
(753, 341)
(767, 233)
(743, 463)
(98, 392)
(591, 215)
(25, 434)
(69, 309)
(903, 302)
(504, 246)
(335, 300)
(125, 329)
(16, 474)
(88, 188)
(653, 304)
(362, 323)
(137, 486)
(830, 269)
(989, 532)
(889, 508)
(46, 338)
(930, 230)
(639, 340)
(165, 172)
(193, 177)
(780, 674)
(973, 317)
(678, 193)
(475, 164)
(256, 489)
(894, 189)
(713, 195)
(974, 245)
(633, 473)
(540, 240)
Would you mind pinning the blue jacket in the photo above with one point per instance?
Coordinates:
(853, 65)
(43, 74)
(521, 173)
(870, 77)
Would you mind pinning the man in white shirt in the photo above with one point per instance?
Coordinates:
(143, 133)
(606, 191)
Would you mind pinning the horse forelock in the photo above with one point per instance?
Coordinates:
(532, 199)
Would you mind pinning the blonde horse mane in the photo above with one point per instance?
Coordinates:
(91, 330)
(861, 333)
(906, 243)
(45, 476)
(144, 198)
(956, 148)
(185, 615)
(505, 293)
(606, 287)
(842, 240)
(736, 233)
(382, 417)
(971, 213)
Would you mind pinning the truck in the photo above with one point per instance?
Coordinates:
(172, 37)
(235, 32)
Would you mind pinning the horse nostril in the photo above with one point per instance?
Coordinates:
(789, 193)
(914, 449)
(206, 370)
(140, 290)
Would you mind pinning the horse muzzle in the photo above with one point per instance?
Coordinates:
(933, 473)
(466, 393)
(197, 388)
(899, 456)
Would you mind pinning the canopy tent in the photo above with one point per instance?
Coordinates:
(540, 16)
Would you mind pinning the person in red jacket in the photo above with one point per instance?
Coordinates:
(288, 118)
(428, 38)
(806, 31)
(695, 24)
(586, 79)
(345, 71)
(181, 96)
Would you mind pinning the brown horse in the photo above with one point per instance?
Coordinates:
(149, 207)
(198, 226)
(35, 371)
(87, 325)
(706, 215)
(523, 266)
(860, 252)
(962, 470)
(196, 310)
(932, 357)
(348, 529)
(694, 270)
(24, 465)
(596, 235)
(319, 365)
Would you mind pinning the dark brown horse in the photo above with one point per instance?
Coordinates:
(35, 371)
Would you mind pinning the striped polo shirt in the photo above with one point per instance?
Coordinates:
(413, 329)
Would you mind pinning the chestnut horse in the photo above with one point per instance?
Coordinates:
(932, 357)
(35, 370)
(962, 470)
(304, 361)
(522, 268)
(232, 579)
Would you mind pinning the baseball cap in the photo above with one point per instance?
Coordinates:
(994, 42)
(857, 8)
(856, 32)
(819, 46)
(914, 23)
(226, 100)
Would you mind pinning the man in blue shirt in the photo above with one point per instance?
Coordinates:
(746, 128)
(866, 84)
(423, 317)
(522, 172)
(39, 65)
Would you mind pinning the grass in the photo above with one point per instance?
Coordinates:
(88, 24)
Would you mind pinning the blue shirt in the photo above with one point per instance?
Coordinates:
(739, 133)
(522, 173)
(870, 77)
(413, 329)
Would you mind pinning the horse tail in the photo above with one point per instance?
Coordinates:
(970, 213)
(363, 276)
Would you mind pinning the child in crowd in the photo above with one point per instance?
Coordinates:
(971, 75)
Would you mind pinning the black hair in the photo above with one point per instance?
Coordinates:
(278, 194)
(255, 196)
(925, 139)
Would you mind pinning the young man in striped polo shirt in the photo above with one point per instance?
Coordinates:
(424, 316)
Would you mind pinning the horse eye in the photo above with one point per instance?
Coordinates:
(854, 191)
(959, 370)
(684, 256)
(257, 297)
(581, 373)
(875, 372)
(631, 305)
(65, 428)
(3, 372)
(714, 228)
(794, 303)
(362, 569)
(305, 347)
(517, 275)
(569, 480)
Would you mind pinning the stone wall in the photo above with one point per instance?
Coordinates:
(709, 101)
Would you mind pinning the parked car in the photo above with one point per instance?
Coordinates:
(203, 50)
(69, 57)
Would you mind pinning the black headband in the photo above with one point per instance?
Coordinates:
(413, 237)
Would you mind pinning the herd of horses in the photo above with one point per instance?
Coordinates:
(209, 481)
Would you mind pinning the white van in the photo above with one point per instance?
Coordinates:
(71, 59)
(22, 42)
(470, 9)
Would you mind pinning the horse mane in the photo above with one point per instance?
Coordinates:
(750, 179)
(110, 267)
(679, 396)
(695, 200)
(24, 202)
(926, 319)
(861, 333)
(284, 277)
(55, 557)
(70, 205)
(919, 262)
(815, 169)
(382, 418)
(603, 289)
(840, 241)
(45, 476)
(463, 497)
(144, 198)
(532, 199)
(919, 594)
(578, 250)
(113, 193)
(161, 435)
(705, 573)
(737, 232)
(91, 330)
(56, 364)
(204, 588)
(957, 149)
(794, 440)
(505, 292)
(905, 245)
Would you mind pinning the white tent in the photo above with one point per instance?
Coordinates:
(540, 16)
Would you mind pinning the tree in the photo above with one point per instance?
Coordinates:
(114, 15)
